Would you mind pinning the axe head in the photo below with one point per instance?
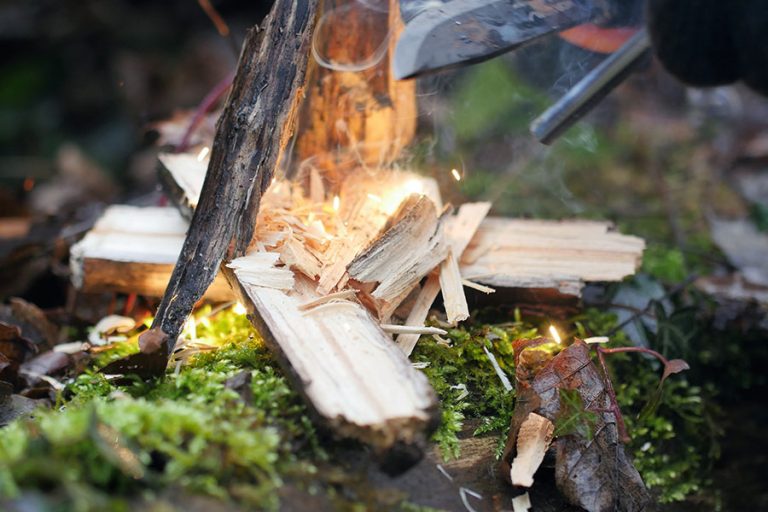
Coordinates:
(441, 34)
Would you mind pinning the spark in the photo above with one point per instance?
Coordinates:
(555, 334)
(239, 309)
(336, 203)
(456, 175)
(203, 153)
(374, 198)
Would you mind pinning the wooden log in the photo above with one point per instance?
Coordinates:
(353, 377)
(509, 253)
(365, 116)
(250, 137)
(133, 250)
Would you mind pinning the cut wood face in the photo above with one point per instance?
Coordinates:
(133, 250)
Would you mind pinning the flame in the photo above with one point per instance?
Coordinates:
(456, 175)
(336, 203)
(239, 309)
(555, 334)
(414, 186)
(203, 153)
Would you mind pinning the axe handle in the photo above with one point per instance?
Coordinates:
(583, 96)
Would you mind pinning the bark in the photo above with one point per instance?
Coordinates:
(251, 136)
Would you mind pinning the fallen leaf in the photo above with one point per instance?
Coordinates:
(13, 406)
(595, 474)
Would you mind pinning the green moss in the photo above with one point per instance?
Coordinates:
(188, 430)
(465, 381)
(676, 444)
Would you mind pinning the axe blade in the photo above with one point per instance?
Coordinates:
(443, 35)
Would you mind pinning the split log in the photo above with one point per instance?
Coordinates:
(459, 231)
(352, 375)
(394, 264)
(133, 250)
(251, 135)
(508, 253)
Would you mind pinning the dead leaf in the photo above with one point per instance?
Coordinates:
(13, 406)
(672, 367)
(48, 363)
(595, 474)
(33, 322)
(14, 350)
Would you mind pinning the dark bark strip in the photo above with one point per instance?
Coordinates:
(250, 138)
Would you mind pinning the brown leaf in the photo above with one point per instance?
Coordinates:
(48, 363)
(674, 366)
(13, 406)
(34, 324)
(595, 474)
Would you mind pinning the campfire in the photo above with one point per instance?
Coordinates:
(339, 264)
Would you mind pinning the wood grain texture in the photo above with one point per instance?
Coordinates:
(365, 114)
(511, 253)
(133, 250)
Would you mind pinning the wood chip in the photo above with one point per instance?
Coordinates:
(533, 440)
(477, 286)
(342, 295)
(521, 503)
(454, 300)
(412, 329)
(258, 269)
(459, 230)
(412, 246)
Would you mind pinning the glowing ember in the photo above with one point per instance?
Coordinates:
(456, 175)
(555, 334)
(203, 153)
(336, 203)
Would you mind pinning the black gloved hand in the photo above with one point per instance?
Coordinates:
(712, 42)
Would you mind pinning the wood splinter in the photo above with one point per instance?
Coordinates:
(533, 440)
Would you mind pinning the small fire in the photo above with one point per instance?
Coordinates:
(555, 334)
(456, 174)
(239, 309)
(203, 153)
(336, 203)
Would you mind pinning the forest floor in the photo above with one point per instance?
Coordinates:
(687, 171)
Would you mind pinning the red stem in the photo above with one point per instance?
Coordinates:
(614, 404)
(210, 99)
(641, 350)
